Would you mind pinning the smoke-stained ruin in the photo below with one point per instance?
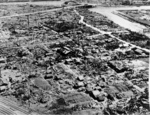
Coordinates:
(69, 60)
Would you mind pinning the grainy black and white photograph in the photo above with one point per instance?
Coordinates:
(74, 57)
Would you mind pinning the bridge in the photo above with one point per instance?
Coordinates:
(70, 2)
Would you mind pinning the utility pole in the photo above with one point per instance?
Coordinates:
(0, 72)
(28, 21)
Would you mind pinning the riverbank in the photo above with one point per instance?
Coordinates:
(108, 12)
(131, 18)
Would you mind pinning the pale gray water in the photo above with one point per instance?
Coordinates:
(106, 11)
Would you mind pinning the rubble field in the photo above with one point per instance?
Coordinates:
(99, 21)
(52, 64)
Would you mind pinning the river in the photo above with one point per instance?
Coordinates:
(133, 26)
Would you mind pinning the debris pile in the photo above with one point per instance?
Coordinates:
(72, 71)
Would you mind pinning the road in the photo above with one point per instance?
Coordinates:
(25, 14)
(108, 33)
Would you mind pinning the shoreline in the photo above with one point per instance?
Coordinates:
(120, 20)
(130, 18)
